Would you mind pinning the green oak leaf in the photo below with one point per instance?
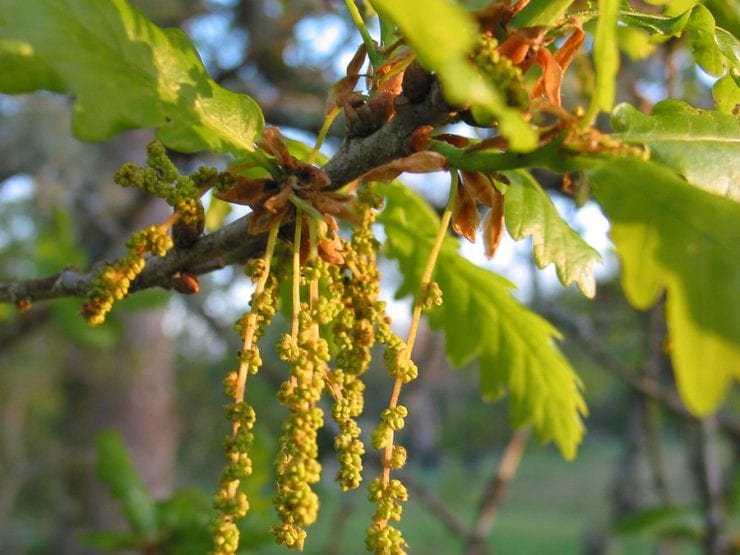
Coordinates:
(541, 12)
(124, 72)
(529, 211)
(116, 470)
(606, 59)
(677, 238)
(442, 36)
(517, 349)
(697, 22)
(701, 145)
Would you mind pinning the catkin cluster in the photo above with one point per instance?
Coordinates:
(113, 281)
(230, 503)
(159, 178)
(500, 72)
(335, 302)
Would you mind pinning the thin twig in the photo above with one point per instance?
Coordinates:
(588, 338)
(494, 493)
(436, 506)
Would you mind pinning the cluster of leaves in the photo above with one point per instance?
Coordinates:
(673, 209)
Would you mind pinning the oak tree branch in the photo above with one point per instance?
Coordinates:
(232, 244)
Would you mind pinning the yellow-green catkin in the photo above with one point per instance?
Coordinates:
(500, 72)
(114, 280)
(231, 503)
(297, 466)
(354, 335)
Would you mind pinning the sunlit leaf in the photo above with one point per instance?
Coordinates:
(677, 238)
(698, 22)
(701, 145)
(124, 72)
(541, 12)
(530, 212)
(442, 36)
(661, 521)
(606, 58)
(516, 348)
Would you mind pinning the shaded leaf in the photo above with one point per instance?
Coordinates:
(109, 541)
(530, 211)
(115, 469)
(516, 348)
(701, 145)
(660, 522)
(124, 72)
(677, 238)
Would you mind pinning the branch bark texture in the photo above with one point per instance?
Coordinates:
(231, 244)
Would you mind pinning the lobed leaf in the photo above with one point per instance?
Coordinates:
(442, 35)
(530, 212)
(697, 21)
(516, 348)
(672, 236)
(124, 72)
(701, 145)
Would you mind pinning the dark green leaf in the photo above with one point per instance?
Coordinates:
(115, 469)
(701, 145)
(66, 317)
(124, 72)
(661, 521)
(530, 212)
(516, 348)
(109, 541)
(184, 518)
(677, 238)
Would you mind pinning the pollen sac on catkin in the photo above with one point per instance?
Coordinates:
(297, 465)
(113, 280)
(229, 502)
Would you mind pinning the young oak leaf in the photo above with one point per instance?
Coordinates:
(529, 211)
(124, 72)
(516, 348)
(701, 145)
(672, 236)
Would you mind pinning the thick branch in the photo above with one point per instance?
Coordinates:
(229, 244)
(358, 155)
(232, 243)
